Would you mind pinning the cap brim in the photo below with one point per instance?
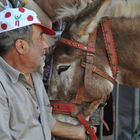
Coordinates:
(46, 29)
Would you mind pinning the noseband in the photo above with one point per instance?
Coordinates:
(90, 68)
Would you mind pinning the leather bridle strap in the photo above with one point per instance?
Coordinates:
(69, 108)
(89, 61)
(83, 121)
(110, 45)
(100, 73)
(64, 108)
(76, 44)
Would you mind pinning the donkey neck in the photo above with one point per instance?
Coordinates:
(126, 32)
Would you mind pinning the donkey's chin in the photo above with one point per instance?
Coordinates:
(66, 119)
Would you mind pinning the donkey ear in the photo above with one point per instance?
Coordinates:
(100, 8)
(100, 13)
(88, 19)
(105, 4)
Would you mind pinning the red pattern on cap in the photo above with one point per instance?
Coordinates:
(30, 18)
(4, 26)
(22, 10)
(7, 15)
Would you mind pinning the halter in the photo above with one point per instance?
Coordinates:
(90, 68)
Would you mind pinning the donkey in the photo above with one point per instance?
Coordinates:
(68, 82)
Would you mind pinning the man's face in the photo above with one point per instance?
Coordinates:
(37, 48)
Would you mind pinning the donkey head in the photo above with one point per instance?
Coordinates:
(67, 75)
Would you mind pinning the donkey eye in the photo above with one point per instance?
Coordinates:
(63, 68)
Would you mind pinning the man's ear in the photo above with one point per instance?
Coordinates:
(21, 46)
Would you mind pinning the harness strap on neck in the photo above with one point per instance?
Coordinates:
(110, 45)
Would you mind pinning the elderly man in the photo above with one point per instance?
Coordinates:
(25, 111)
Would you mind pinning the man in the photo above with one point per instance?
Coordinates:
(25, 111)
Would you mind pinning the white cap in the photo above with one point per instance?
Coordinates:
(14, 18)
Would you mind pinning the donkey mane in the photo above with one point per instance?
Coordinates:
(117, 8)
(71, 11)
(124, 8)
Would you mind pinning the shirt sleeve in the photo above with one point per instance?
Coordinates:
(4, 116)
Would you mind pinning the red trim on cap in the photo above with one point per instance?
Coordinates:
(46, 29)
